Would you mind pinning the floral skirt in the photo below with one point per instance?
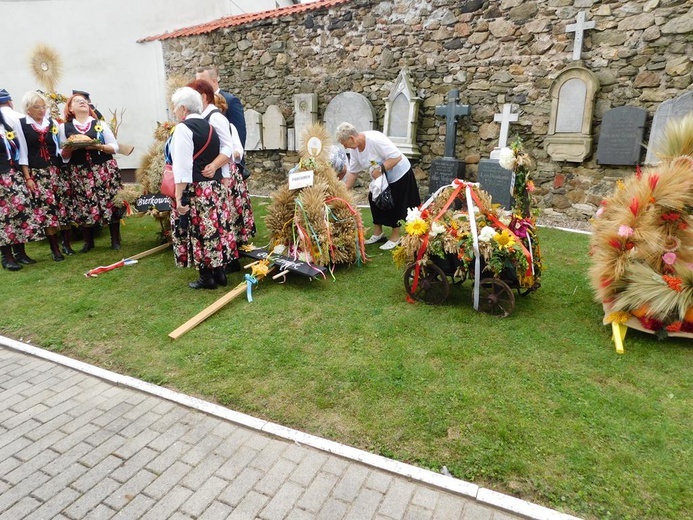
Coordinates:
(240, 198)
(49, 197)
(210, 239)
(94, 186)
(18, 222)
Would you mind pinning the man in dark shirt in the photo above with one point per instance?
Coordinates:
(234, 112)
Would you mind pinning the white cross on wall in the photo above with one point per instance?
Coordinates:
(505, 118)
(579, 29)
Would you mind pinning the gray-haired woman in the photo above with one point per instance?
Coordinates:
(201, 217)
(374, 152)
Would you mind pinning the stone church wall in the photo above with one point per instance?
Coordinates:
(494, 52)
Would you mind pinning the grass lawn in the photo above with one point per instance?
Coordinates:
(537, 405)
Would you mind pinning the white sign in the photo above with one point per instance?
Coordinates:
(300, 179)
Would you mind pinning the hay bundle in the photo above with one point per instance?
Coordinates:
(642, 242)
(320, 223)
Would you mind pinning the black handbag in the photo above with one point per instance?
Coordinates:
(385, 201)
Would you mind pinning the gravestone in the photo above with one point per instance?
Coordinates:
(669, 110)
(579, 29)
(305, 116)
(496, 181)
(504, 118)
(570, 124)
(253, 125)
(274, 129)
(444, 171)
(402, 115)
(621, 136)
(349, 107)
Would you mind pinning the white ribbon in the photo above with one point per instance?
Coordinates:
(475, 237)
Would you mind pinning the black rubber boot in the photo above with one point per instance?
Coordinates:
(8, 261)
(233, 266)
(67, 238)
(220, 276)
(20, 255)
(56, 255)
(114, 229)
(206, 280)
(88, 234)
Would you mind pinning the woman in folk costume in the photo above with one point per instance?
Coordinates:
(89, 146)
(201, 216)
(41, 161)
(17, 221)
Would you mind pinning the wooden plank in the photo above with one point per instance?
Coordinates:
(150, 251)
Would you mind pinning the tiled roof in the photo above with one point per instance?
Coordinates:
(241, 19)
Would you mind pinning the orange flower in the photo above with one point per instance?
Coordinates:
(674, 282)
(674, 327)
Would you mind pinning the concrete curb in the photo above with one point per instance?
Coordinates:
(451, 484)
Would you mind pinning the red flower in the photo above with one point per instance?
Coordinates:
(634, 206)
(671, 216)
(674, 327)
(674, 282)
(654, 179)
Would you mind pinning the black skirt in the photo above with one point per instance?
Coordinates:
(405, 194)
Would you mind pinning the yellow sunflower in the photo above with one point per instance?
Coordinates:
(10, 135)
(98, 128)
(416, 227)
(504, 239)
(54, 130)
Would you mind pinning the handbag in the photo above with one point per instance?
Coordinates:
(168, 183)
(381, 193)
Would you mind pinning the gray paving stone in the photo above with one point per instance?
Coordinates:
(135, 444)
(203, 470)
(91, 499)
(61, 499)
(314, 497)
(100, 512)
(275, 477)
(30, 466)
(169, 504)
(102, 450)
(396, 499)
(240, 487)
(415, 512)
(168, 437)
(93, 476)
(204, 495)
(240, 459)
(15, 493)
(74, 438)
(364, 505)
(136, 508)
(350, 484)
(26, 413)
(48, 427)
(114, 412)
(335, 465)
(129, 490)
(173, 453)
(176, 415)
(378, 481)
(425, 497)
(216, 511)
(167, 481)
(332, 510)
(308, 468)
(67, 458)
(200, 448)
(138, 425)
(59, 481)
(249, 507)
(282, 502)
(133, 464)
(477, 512)
(266, 458)
(21, 509)
(79, 418)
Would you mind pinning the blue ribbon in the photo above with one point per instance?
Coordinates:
(251, 280)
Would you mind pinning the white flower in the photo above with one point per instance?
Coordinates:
(486, 234)
(436, 229)
(506, 158)
(413, 214)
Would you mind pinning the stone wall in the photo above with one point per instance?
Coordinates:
(494, 52)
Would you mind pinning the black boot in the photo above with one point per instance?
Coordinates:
(114, 229)
(220, 276)
(20, 255)
(8, 261)
(67, 237)
(233, 267)
(88, 234)
(206, 280)
(55, 249)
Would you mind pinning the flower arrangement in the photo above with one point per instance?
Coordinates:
(441, 230)
(515, 159)
(642, 242)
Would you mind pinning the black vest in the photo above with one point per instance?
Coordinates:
(79, 157)
(6, 164)
(33, 143)
(200, 133)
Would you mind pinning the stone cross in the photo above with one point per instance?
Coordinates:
(579, 29)
(505, 118)
(451, 112)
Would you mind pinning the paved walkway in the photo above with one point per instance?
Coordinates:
(79, 442)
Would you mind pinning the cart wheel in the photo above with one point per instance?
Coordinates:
(432, 287)
(524, 291)
(495, 297)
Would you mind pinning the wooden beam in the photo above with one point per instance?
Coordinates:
(150, 251)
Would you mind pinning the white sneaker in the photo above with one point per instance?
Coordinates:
(389, 245)
(374, 239)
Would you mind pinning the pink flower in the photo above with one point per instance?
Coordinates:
(669, 258)
(625, 231)
(599, 212)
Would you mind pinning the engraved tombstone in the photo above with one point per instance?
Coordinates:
(253, 125)
(621, 136)
(305, 116)
(670, 109)
(274, 129)
(444, 171)
(570, 123)
(402, 115)
(349, 107)
(496, 181)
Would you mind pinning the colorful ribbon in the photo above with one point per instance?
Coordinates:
(250, 281)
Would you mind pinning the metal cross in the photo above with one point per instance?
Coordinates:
(579, 29)
(451, 112)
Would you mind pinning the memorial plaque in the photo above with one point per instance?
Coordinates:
(152, 200)
(496, 181)
(668, 110)
(621, 136)
(443, 172)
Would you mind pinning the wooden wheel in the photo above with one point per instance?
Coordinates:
(432, 287)
(495, 297)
